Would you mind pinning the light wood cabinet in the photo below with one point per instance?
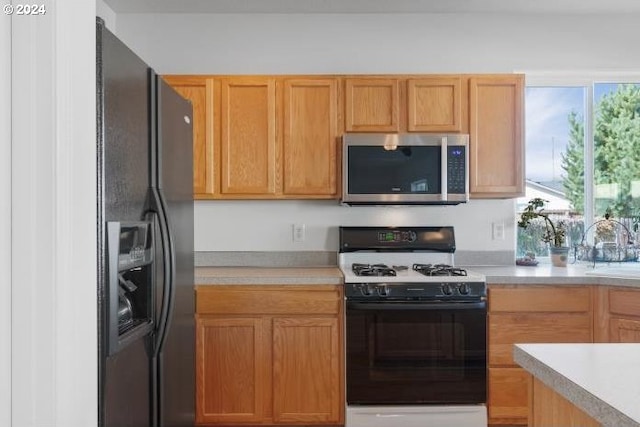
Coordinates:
(269, 355)
(550, 409)
(200, 95)
(529, 314)
(310, 137)
(306, 369)
(278, 137)
(618, 315)
(231, 369)
(248, 143)
(372, 105)
(496, 137)
(434, 104)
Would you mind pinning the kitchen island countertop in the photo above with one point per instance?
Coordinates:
(603, 380)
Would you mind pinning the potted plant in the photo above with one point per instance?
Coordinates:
(554, 234)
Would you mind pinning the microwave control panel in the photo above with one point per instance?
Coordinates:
(456, 169)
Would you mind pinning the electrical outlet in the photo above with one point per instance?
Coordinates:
(497, 230)
(299, 232)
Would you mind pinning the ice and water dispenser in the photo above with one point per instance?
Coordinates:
(130, 281)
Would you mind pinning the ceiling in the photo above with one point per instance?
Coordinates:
(376, 6)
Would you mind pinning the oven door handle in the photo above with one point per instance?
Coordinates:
(416, 306)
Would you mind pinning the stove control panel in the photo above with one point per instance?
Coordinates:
(408, 291)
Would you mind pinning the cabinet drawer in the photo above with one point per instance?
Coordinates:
(268, 299)
(540, 299)
(507, 329)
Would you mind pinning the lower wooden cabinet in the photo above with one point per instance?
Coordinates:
(269, 355)
(550, 409)
(618, 315)
(529, 314)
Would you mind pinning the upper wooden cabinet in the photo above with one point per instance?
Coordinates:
(248, 136)
(496, 106)
(310, 137)
(434, 104)
(372, 105)
(195, 90)
(264, 137)
(278, 137)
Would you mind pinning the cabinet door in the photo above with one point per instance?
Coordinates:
(624, 330)
(508, 395)
(231, 369)
(195, 90)
(306, 370)
(529, 314)
(496, 136)
(310, 137)
(372, 105)
(248, 136)
(434, 104)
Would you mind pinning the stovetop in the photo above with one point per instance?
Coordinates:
(414, 263)
(380, 267)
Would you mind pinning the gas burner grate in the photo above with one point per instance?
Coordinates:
(439, 270)
(372, 270)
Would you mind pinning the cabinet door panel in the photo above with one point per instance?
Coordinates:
(434, 104)
(230, 369)
(248, 136)
(624, 330)
(496, 136)
(306, 370)
(310, 136)
(372, 105)
(508, 329)
(508, 395)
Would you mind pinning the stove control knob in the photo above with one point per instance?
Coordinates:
(366, 290)
(383, 290)
(464, 289)
(446, 289)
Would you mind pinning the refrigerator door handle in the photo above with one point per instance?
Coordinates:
(169, 271)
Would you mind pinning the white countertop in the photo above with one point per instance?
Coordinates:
(601, 379)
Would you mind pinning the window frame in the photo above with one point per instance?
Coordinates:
(586, 80)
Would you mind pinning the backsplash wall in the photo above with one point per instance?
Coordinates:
(268, 225)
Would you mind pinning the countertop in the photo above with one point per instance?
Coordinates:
(268, 276)
(541, 274)
(601, 379)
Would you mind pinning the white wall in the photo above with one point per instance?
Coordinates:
(267, 226)
(5, 220)
(105, 12)
(53, 167)
(369, 43)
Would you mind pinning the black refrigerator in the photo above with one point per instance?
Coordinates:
(145, 244)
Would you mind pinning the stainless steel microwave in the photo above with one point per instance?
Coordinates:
(405, 169)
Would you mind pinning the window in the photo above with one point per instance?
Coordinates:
(583, 157)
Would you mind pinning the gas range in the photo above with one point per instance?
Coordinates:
(387, 262)
(415, 329)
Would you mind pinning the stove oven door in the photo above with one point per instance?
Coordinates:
(416, 352)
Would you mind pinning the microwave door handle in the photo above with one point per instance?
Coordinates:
(443, 169)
